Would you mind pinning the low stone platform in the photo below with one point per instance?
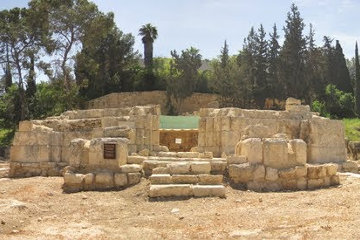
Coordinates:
(128, 175)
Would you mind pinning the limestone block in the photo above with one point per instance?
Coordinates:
(191, 179)
(257, 131)
(159, 148)
(104, 180)
(172, 190)
(210, 179)
(76, 149)
(252, 148)
(300, 171)
(217, 124)
(272, 174)
(300, 149)
(327, 181)
(200, 167)
(167, 154)
(160, 170)
(89, 181)
(218, 166)
(130, 168)
(155, 122)
(118, 131)
(134, 178)
(73, 182)
(241, 173)
(25, 126)
(289, 184)
(316, 171)
(120, 179)
(30, 153)
(55, 154)
(293, 101)
(187, 155)
(236, 159)
(225, 123)
(276, 153)
(315, 183)
(238, 148)
(209, 141)
(209, 191)
(209, 124)
(334, 180)
(135, 159)
(350, 166)
(259, 172)
(301, 183)
(56, 139)
(160, 179)
(202, 125)
(145, 152)
(140, 132)
(208, 155)
(32, 138)
(155, 137)
(289, 173)
(179, 168)
(331, 169)
(202, 139)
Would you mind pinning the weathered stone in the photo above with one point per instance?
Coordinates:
(327, 181)
(120, 179)
(89, 181)
(131, 168)
(172, 190)
(289, 173)
(252, 148)
(276, 153)
(236, 159)
(160, 179)
(200, 167)
(301, 183)
(331, 169)
(289, 184)
(300, 150)
(334, 180)
(208, 155)
(316, 171)
(315, 183)
(208, 191)
(73, 182)
(259, 172)
(187, 154)
(272, 174)
(167, 154)
(301, 171)
(179, 168)
(184, 179)
(218, 167)
(350, 166)
(241, 173)
(104, 180)
(135, 159)
(210, 179)
(145, 152)
(160, 170)
(134, 178)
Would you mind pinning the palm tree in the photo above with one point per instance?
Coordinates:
(149, 34)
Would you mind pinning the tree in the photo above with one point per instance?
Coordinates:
(292, 55)
(184, 76)
(149, 34)
(342, 76)
(274, 88)
(357, 81)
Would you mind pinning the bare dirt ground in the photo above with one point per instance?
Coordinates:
(36, 208)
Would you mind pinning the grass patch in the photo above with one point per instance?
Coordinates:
(179, 122)
(352, 128)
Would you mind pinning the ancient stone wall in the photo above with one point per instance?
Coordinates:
(130, 99)
(43, 147)
(179, 140)
(221, 129)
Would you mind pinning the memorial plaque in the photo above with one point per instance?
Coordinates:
(109, 151)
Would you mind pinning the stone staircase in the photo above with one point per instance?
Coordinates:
(184, 174)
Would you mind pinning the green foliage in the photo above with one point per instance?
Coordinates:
(352, 128)
(337, 104)
(357, 81)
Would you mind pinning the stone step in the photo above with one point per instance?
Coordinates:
(184, 167)
(176, 159)
(186, 190)
(202, 179)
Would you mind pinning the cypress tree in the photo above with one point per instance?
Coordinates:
(342, 79)
(293, 55)
(357, 81)
(274, 87)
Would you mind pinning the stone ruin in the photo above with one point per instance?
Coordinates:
(101, 149)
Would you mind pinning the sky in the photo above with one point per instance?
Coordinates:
(205, 24)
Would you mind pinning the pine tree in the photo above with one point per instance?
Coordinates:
(224, 57)
(274, 87)
(357, 81)
(293, 55)
(260, 84)
(31, 84)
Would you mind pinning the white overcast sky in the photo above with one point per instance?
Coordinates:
(205, 24)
